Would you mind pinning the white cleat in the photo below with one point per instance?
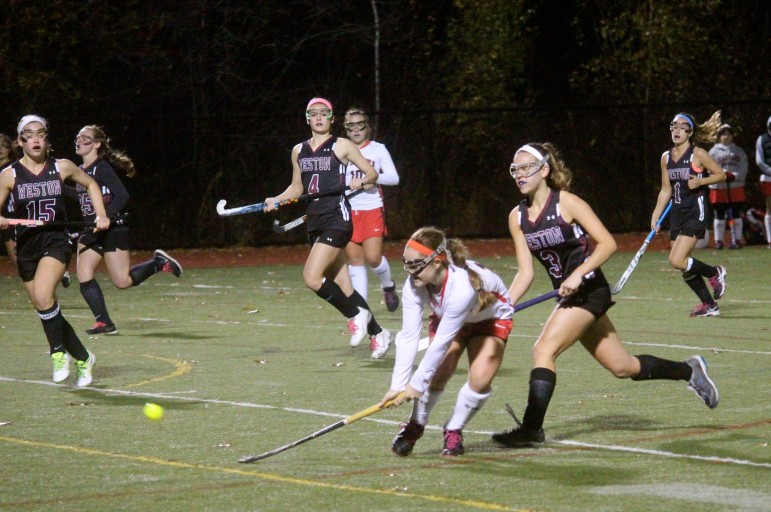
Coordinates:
(85, 370)
(61, 362)
(379, 344)
(357, 326)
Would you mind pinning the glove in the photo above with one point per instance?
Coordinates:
(729, 177)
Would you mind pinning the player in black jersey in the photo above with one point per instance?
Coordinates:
(686, 172)
(35, 186)
(318, 167)
(551, 224)
(7, 156)
(113, 245)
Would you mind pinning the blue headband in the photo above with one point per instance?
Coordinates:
(687, 119)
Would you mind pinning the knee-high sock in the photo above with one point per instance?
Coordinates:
(542, 384)
(422, 407)
(358, 275)
(383, 271)
(92, 293)
(652, 367)
(767, 222)
(699, 287)
(719, 226)
(700, 268)
(373, 327)
(738, 228)
(54, 328)
(332, 293)
(467, 405)
(142, 271)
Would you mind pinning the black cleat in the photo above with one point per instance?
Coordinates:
(520, 436)
(166, 263)
(406, 438)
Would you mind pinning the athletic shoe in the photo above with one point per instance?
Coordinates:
(700, 383)
(453, 443)
(66, 280)
(718, 245)
(736, 245)
(357, 326)
(705, 310)
(379, 344)
(61, 366)
(406, 438)
(102, 328)
(718, 283)
(520, 436)
(166, 263)
(391, 299)
(84, 370)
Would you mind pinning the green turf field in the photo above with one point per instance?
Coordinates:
(245, 360)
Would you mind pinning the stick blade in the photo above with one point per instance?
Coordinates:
(248, 459)
(221, 206)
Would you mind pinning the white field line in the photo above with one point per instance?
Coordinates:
(175, 396)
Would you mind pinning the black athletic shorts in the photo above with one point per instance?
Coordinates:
(593, 296)
(333, 237)
(106, 241)
(691, 222)
(6, 235)
(32, 247)
(330, 229)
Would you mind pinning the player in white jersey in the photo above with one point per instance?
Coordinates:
(475, 314)
(368, 214)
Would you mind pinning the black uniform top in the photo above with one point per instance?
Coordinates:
(114, 193)
(321, 172)
(680, 171)
(36, 196)
(559, 246)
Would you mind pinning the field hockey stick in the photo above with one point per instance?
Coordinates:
(628, 272)
(424, 342)
(278, 228)
(369, 411)
(258, 207)
(730, 214)
(32, 223)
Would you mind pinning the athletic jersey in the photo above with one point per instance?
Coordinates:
(455, 305)
(560, 247)
(380, 158)
(680, 171)
(763, 155)
(732, 159)
(321, 172)
(114, 193)
(37, 197)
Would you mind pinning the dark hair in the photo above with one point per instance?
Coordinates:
(116, 158)
(432, 237)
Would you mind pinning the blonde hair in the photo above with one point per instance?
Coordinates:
(457, 251)
(116, 158)
(707, 131)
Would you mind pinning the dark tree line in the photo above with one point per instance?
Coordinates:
(208, 96)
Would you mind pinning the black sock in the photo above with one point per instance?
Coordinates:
(92, 293)
(373, 328)
(142, 271)
(542, 383)
(702, 269)
(60, 334)
(73, 344)
(332, 293)
(699, 287)
(652, 367)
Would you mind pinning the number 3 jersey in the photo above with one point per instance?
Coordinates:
(37, 196)
(559, 246)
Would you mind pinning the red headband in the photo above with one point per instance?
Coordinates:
(422, 249)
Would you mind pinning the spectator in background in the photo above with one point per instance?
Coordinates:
(729, 194)
(763, 159)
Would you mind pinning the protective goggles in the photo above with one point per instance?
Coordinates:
(415, 267)
(324, 112)
(679, 126)
(358, 125)
(29, 134)
(525, 170)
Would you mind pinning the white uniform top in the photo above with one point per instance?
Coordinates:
(454, 305)
(733, 159)
(380, 158)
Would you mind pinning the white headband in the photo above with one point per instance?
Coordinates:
(31, 118)
(530, 149)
